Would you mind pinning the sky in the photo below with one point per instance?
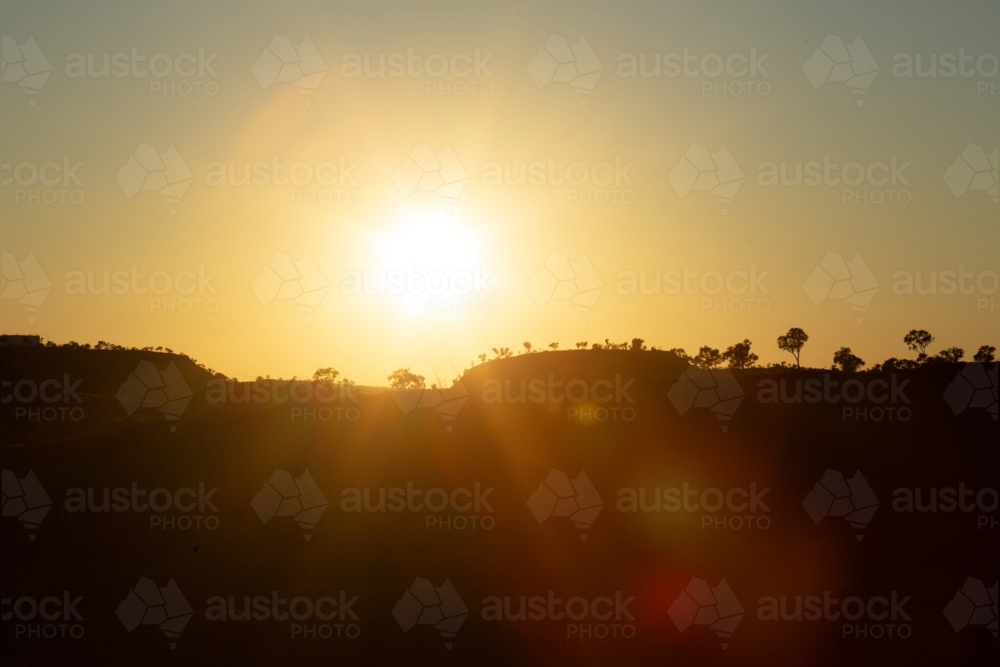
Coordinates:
(659, 131)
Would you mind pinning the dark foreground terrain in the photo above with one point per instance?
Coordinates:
(640, 526)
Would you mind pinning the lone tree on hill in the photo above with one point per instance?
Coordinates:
(847, 361)
(739, 356)
(793, 342)
(918, 340)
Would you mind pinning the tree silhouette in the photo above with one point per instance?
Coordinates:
(847, 361)
(527, 346)
(739, 356)
(793, 342)
(502, 353)
(402, 378)
(553, 346)
(708, 357)
(482, 358)
(637, 345)
(918, 340)
(581, 345)
(985, 355)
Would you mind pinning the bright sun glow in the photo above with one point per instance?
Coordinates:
(428, 258)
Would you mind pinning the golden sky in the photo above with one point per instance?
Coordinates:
(652, 137)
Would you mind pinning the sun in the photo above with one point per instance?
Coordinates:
(428, 258)
(434, 241)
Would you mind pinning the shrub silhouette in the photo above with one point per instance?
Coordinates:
(985, 354)
(708, 357)
(739, 355)
(402, 378)
(951, 355)
(847, 361)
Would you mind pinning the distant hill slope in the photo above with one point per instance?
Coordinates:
(583, 364)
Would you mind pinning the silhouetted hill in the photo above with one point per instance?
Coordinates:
(646, 438)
